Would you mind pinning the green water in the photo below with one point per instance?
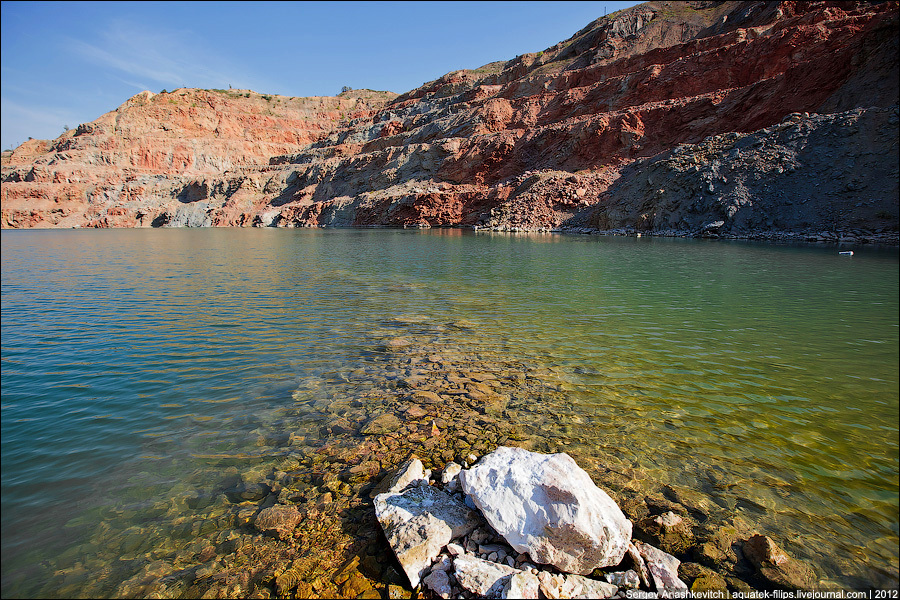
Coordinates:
(762, 379)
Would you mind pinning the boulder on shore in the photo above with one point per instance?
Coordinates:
(548, 506)
(550, 512)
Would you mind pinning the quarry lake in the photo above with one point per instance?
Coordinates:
(755, 384)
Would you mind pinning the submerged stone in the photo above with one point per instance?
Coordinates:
(396, 592)
(415, 411)
(669, 532)
(281, 519)
(762, 551)
(776, 568)
(251, 492)
(385, 423)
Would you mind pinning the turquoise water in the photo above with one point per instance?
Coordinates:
(763, 377)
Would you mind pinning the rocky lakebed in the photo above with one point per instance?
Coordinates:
(427, 470)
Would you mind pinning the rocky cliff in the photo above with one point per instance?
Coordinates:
(135, 165)
(701, 118)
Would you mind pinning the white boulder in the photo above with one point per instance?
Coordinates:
(418, 524)
(451, 470)
(560, 586)
(577, 586)
(640, 565)
(546, 505)
(410, 472)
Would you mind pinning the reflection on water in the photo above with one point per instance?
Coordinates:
(141, 369)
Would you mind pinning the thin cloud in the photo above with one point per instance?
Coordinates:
(40, 115)
(21, 122)
(163, 57)
(140, 86)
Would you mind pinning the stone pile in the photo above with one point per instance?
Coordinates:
(517, 524)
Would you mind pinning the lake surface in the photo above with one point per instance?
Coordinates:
(139, 364)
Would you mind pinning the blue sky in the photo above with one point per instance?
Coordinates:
(65, 63)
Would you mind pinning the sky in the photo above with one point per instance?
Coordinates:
(65, 63)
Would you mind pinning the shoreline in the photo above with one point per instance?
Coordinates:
(817, 239)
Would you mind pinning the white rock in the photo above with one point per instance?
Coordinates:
(443, 563)
(418, 524)
(560, 586)
(624, 579)
(571, 587)
(548, 506)
(455, 549)
(480, 577)
(439, 583)
(451, 470)
(412, 471)
(577, 586)
(664, 568)
(521, 585)
(549, 584)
